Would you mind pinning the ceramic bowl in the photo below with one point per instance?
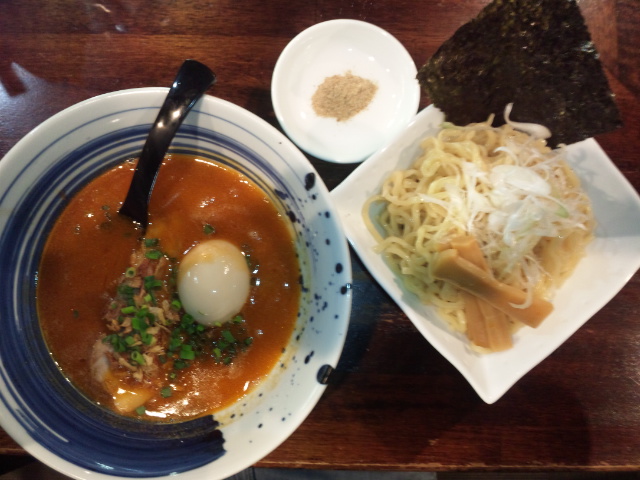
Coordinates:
(610, 261)
(43, 412)
(337, 47)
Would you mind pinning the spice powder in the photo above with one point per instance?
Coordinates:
(343, 96)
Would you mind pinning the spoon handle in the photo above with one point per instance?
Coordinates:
(192, 80)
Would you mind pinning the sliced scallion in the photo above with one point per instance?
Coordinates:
(166, 392)
(138, 358)
(228, 336)
(187, 353)
(151, 242)
(153, 254)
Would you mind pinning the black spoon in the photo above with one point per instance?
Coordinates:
(192, 80)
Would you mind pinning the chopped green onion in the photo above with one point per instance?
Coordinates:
(130, 272)
(187, 353)
(153, 254)
(208, 229)
(139, 324)
(130, 310)
(166, 392)
(152, 282)
(180, 364)
(127, 292)
(228, 336)
(141, 410)
(174, 343)
(151, 242)
(138, 358)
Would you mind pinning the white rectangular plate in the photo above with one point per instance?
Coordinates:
(611, 259)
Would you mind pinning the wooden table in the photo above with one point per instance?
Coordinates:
(396, 404)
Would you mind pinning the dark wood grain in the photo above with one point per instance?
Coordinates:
(394, 402)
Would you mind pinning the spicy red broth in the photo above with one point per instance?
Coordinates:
(89, 249)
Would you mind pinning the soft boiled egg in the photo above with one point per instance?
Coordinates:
(213, 281)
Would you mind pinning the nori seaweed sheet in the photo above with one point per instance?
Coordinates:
(536, 54)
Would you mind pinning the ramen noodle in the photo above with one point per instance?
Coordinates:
(500, 192)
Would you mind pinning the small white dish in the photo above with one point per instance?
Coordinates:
(335, 48)
(611, 259)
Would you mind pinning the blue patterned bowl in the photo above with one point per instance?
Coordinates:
(42, 411)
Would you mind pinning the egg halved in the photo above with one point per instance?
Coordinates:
(213, 281)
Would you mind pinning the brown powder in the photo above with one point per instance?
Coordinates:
(343, 96)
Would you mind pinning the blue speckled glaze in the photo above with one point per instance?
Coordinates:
(56, 415)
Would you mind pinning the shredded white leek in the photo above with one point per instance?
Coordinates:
(534, 129)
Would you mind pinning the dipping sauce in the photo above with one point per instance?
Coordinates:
(194, 201)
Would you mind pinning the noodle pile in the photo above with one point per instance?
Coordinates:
(517, 197)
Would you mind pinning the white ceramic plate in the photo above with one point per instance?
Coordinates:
(611, 259)
(335, 48)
